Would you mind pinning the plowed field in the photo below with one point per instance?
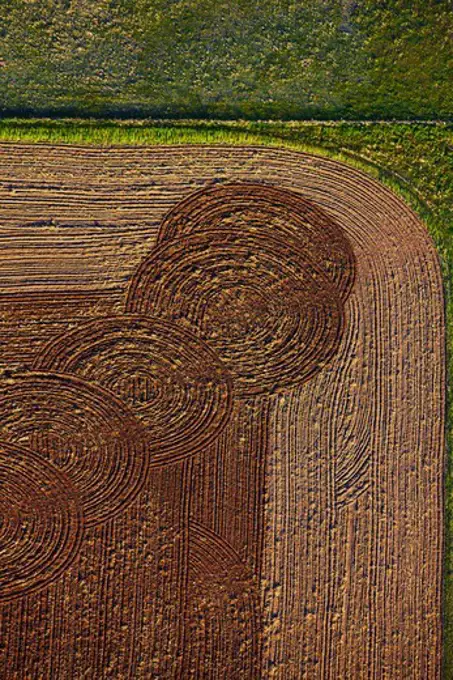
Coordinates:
(222, 405)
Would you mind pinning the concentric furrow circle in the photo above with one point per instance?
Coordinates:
(223, 622)
(274, 319)
(83, 430)
(172, 381)
(41, 522)
(250, 206)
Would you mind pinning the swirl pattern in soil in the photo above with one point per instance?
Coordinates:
(222, 387)
(42, 522)
(172, 381)
(270, 314)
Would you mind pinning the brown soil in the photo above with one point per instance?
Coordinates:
(221, 419)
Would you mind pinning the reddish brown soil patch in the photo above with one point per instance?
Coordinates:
(222, 413)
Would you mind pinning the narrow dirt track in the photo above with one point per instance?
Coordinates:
(299, 532)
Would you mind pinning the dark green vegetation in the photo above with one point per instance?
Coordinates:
(415, 160)
(251, 59)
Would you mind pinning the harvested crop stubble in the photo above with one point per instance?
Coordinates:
(291, 313)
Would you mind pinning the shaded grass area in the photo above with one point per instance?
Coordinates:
(414, 160)
(253, 59)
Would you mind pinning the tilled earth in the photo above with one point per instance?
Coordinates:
(222, 402)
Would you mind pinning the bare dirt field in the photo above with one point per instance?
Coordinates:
(222, 412)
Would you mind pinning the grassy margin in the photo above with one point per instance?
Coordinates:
(358, 144)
